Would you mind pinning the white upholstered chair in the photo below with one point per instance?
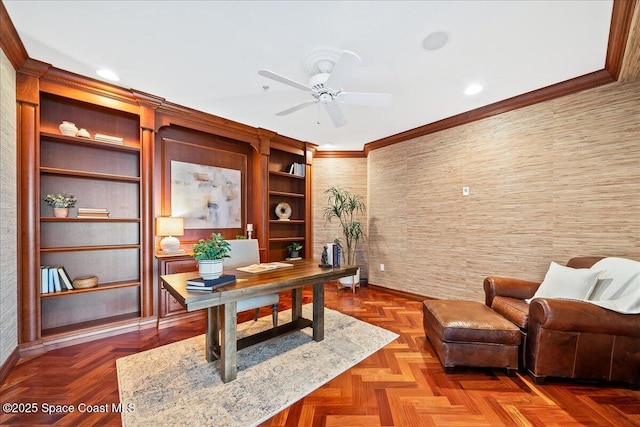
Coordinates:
(246, 252)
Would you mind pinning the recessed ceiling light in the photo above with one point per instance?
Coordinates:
(328, 144)
(108, 74)
(435, 41)
(473, 89)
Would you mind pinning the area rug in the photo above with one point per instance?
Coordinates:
(174, 385)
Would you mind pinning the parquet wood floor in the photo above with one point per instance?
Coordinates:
(400, 385)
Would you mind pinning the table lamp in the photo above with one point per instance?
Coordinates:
(169, 227)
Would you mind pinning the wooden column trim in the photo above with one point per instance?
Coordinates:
(147, 139)
(28, 163)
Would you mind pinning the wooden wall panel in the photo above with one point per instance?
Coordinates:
(547, 182)
(630, 69)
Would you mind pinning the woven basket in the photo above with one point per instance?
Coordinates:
(85, 282)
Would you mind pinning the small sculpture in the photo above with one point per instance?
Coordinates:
(324, 259)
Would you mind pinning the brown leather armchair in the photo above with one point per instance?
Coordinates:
(568, 338)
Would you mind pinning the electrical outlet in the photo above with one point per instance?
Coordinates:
(381, 267)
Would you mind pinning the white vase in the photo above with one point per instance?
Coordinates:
(68, 128)
(61, 212)
(210, 269)
(349, 281)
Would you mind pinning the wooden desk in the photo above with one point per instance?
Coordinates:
(221, 305)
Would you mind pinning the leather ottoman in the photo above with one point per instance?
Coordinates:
(468, 333)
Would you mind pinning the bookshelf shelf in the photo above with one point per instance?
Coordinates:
(100, 175)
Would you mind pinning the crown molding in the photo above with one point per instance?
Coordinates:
(10, 41)
(621, 18)
(340, 154)
(588, 81)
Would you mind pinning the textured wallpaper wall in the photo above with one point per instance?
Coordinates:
(8, 215)
(349, 174)
(547, 182)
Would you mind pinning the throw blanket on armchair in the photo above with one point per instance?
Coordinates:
(618, 288)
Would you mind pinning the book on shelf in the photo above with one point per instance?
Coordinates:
(44, 279)
(54, 279)
(108, 138)
(57, 287)
(93, 213)
(200, 284)
(297, 169)
(66, 279)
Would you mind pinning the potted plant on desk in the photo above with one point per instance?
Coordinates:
(343, 206)
(210, 254)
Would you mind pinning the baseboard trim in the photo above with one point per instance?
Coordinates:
(43, 345)
(408, 295)
(170, 321)
(8, 364)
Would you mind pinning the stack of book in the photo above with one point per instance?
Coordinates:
(334, 254)
(200, 284)
(296, 169)
(93, 213)
(54, 279)
(108, 138)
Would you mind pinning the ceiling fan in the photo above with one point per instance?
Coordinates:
(330, 69)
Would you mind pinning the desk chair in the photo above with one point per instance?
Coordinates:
(245, 252)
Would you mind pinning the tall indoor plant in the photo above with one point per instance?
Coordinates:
(210, 254)
(343, 206)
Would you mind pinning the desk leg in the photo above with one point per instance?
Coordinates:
(318, 311)
(212, 334)
(296, 304)
(228, 344)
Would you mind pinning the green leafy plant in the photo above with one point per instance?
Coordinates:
(63, 200)
(343, 205)
(212, 248)
(295, 246)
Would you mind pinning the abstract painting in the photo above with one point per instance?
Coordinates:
(206, 196)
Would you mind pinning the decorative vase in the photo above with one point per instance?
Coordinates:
(68, 128)
(283, 211)
(83, 133)
(210, 269)
(61, 212)
(350, 281)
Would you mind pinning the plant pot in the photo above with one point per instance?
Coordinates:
(210, 269)
(61, 212)
(294, 254)
(349, 281)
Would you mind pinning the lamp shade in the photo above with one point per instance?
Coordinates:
(169, 226)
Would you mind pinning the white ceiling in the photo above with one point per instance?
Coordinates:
(206, 54)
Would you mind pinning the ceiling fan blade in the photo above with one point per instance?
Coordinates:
(296, 108)
(343, 69)
(335, 113)
(282, 79)
(365, 98)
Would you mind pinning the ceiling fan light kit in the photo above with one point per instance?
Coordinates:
(329, 68)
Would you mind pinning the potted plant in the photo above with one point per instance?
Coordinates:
(60, 203)
(343, 206)
(294, 250)
(210, 254)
